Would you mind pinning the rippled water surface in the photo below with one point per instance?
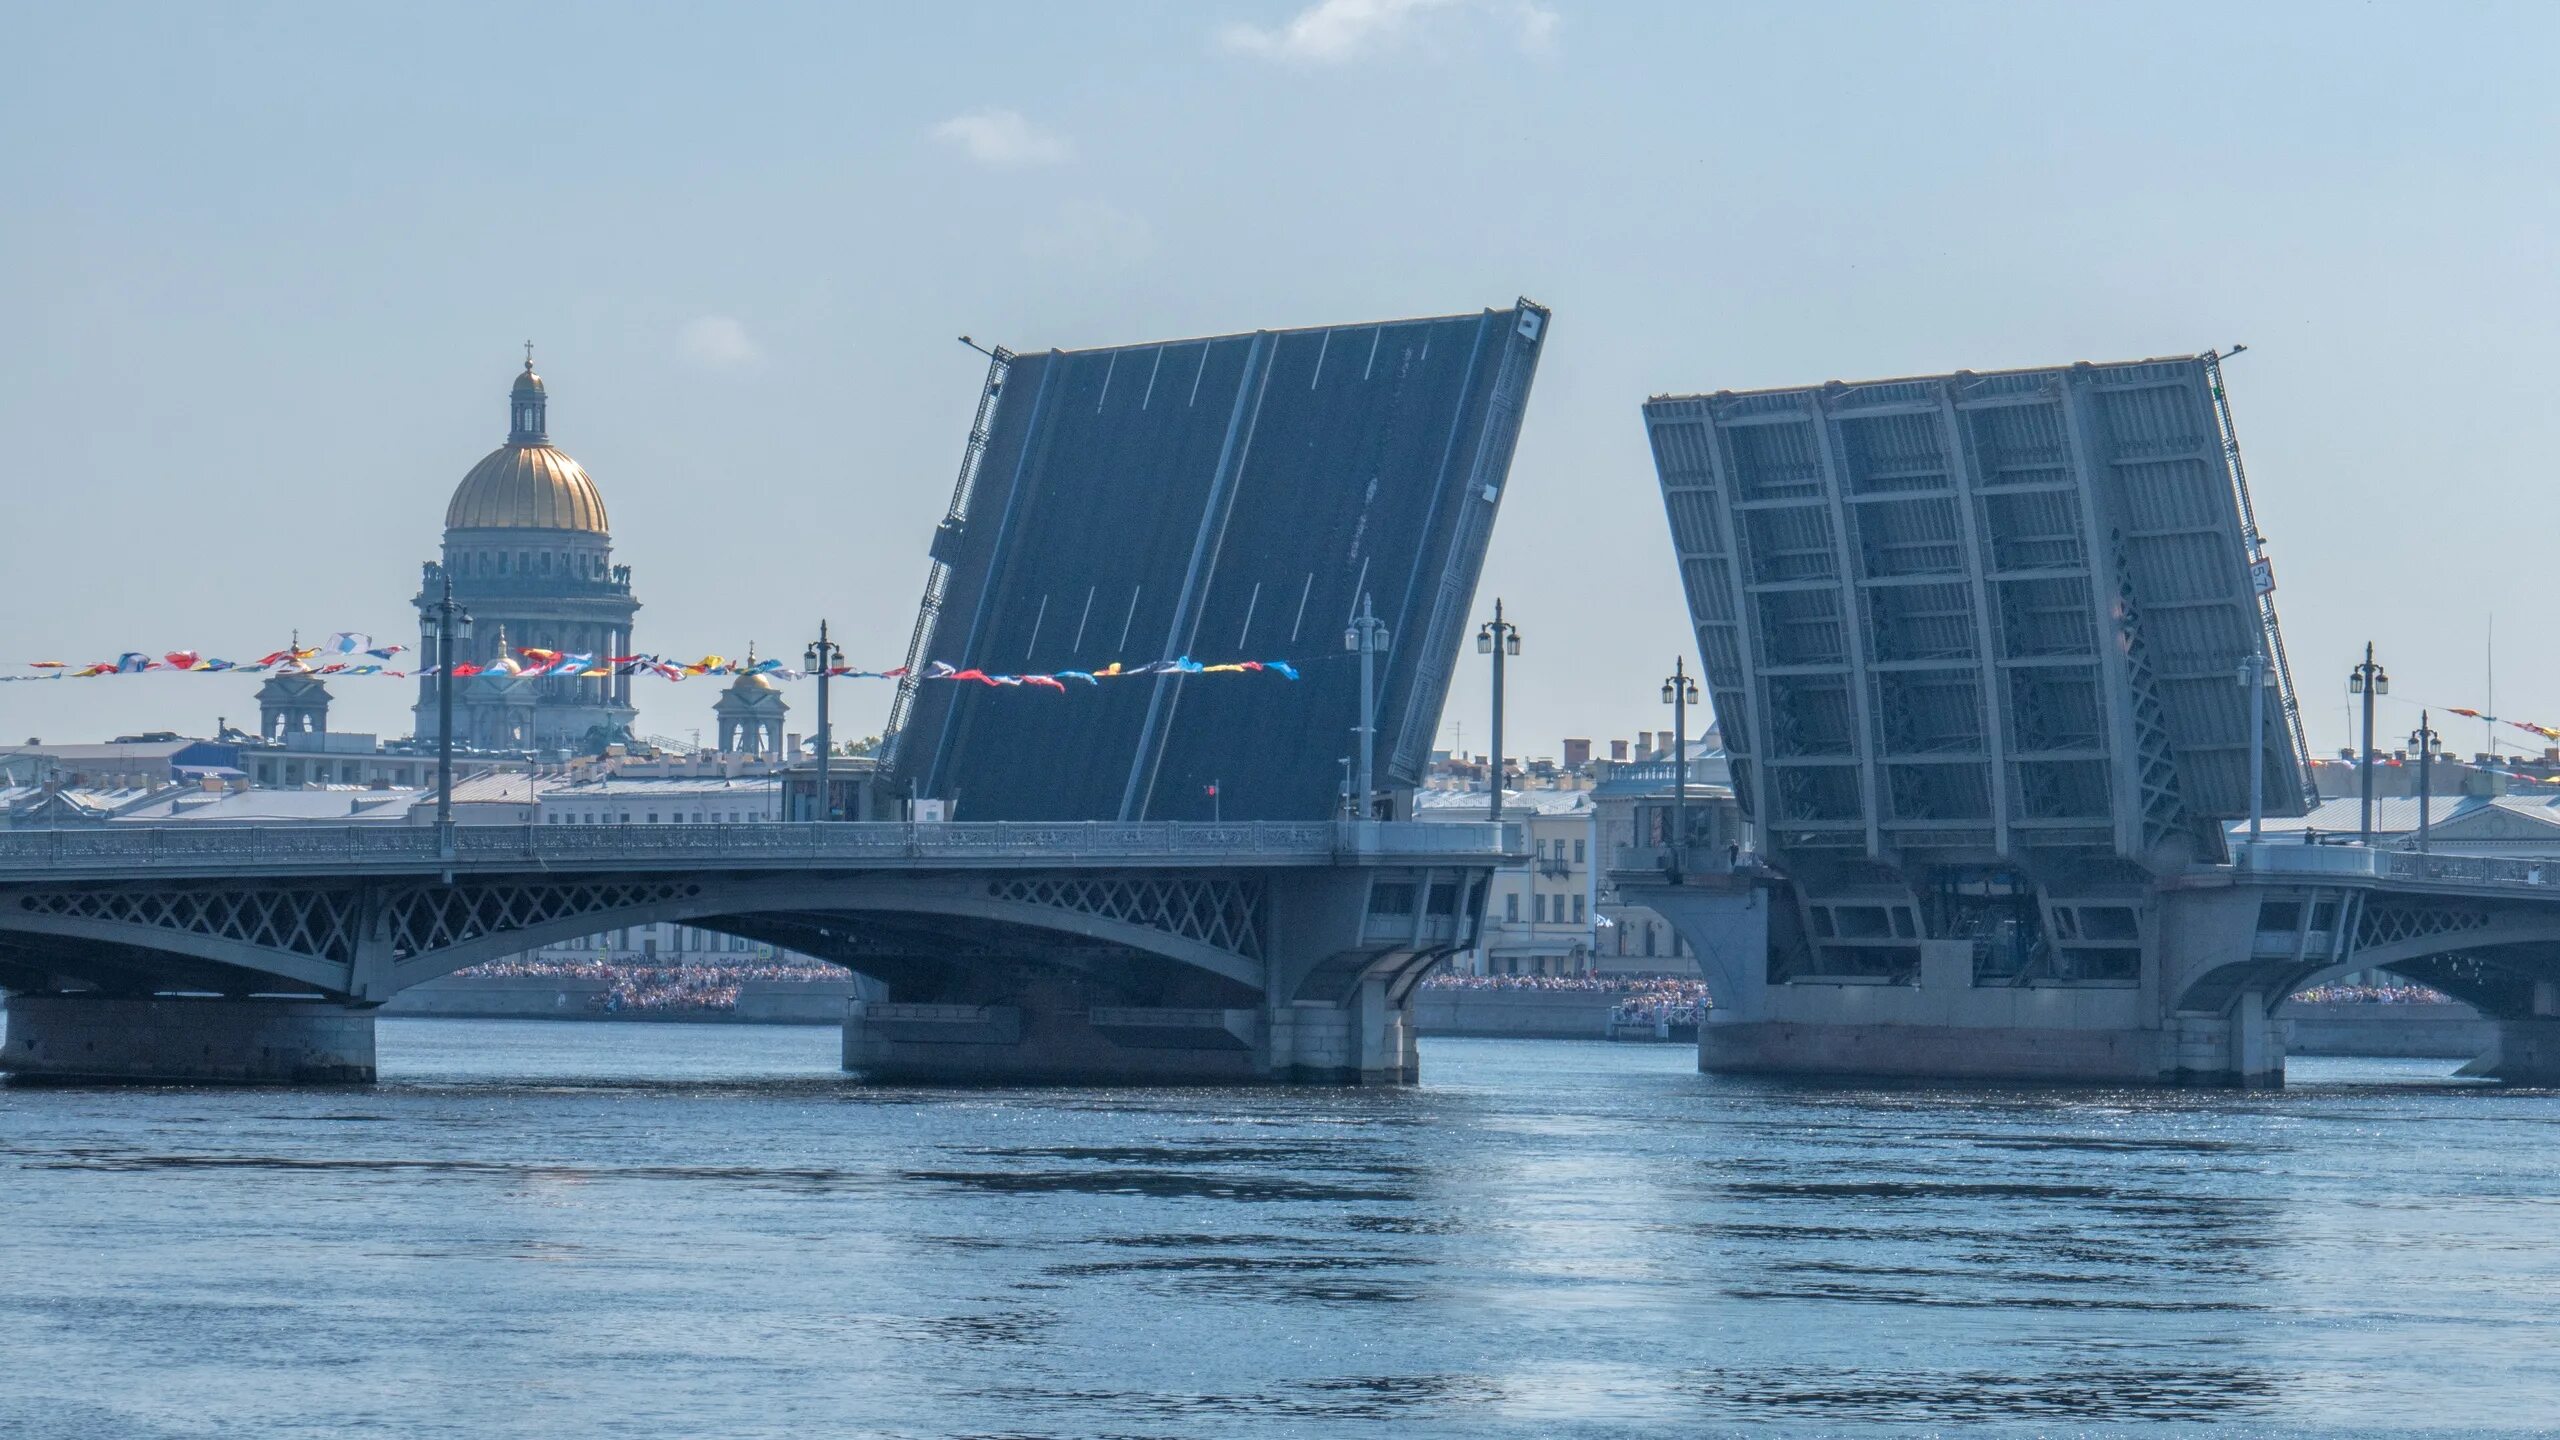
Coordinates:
(564, 1229)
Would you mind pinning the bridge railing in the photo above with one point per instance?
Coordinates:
(2297, 859)
(2380, 864)
(403, 847)
(2468, 869)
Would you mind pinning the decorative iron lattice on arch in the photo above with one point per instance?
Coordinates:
(2382, 923)
(313, 922)
(1222, 911)
(424, 918)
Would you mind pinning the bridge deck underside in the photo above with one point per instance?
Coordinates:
(1973, 615)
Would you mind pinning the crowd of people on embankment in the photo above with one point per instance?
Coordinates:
(2372, 995)
(704, 987)
(1642, 999)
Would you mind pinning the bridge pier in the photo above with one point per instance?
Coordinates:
(1788, 1001)
(2240, 1049)
(1045, 1036)
(85, 1038)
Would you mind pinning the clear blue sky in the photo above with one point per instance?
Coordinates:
(263, 272)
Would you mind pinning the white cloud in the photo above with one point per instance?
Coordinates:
(1003, 138)
(717, 342)
(1090, 231)
(1334, 31)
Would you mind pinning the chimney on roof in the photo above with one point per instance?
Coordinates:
(1618, 750)
(1577, 753)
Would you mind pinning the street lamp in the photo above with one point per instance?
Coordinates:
(2368, 681)
(446, 623)
(1498, 638)
(1679, 692)
(823, 657)
(2429, 745)
(2257, 676)
(1368, 637)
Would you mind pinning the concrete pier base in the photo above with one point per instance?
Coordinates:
(2522, 1052)
(1029, 1044)
(2241, 1049)
(1368, 1042)
(1932, 1052)
(163, 1040)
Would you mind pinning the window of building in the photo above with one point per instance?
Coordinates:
(1578, 914)
(1511, 909)
(1580, 851)
(653, 817)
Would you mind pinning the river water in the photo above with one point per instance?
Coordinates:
(546, 1229)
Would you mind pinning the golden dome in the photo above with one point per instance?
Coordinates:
(527, 487)
(525, 484)
(752, 683)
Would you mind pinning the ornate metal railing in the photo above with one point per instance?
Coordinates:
(2287, 858)
(2468, 869)
(306, 848)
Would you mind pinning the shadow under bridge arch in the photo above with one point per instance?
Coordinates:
(1215, 923)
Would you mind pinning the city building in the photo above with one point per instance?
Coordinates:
(1586, 816)
(1639, 805)
(1540, 918)
(128, 762)
(530, 554)
(748, 718)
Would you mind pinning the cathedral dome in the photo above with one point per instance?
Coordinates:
(526, 484)
(527, 487)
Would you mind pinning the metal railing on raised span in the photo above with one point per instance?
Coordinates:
(2388, 865)
(305, 848)
(2468, 869)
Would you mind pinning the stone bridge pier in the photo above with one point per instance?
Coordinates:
(1242, 954)
(2168, 980)
(1316, 989)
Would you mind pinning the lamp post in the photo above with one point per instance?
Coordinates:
(823, 657)
(446, 623)
(1367, 636)
(1498, 638)
(1679, 692)
(2257, 675)
(2428, 744)
(2368, 681)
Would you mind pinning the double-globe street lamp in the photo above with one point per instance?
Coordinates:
(1367, 636)
(2429, 745)
(2257, 677)
(1498, 638)
(2368, 681)
(1680, 692)
(823, 656)
(446, 623)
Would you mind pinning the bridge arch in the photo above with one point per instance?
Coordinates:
(884, 896)
(367, 942)
(247, 959)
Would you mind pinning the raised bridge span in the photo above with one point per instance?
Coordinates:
(1997, 662)
(1259, 951)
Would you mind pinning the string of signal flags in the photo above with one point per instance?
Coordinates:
(352, 653)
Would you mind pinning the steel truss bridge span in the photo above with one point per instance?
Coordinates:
(1232, 930)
